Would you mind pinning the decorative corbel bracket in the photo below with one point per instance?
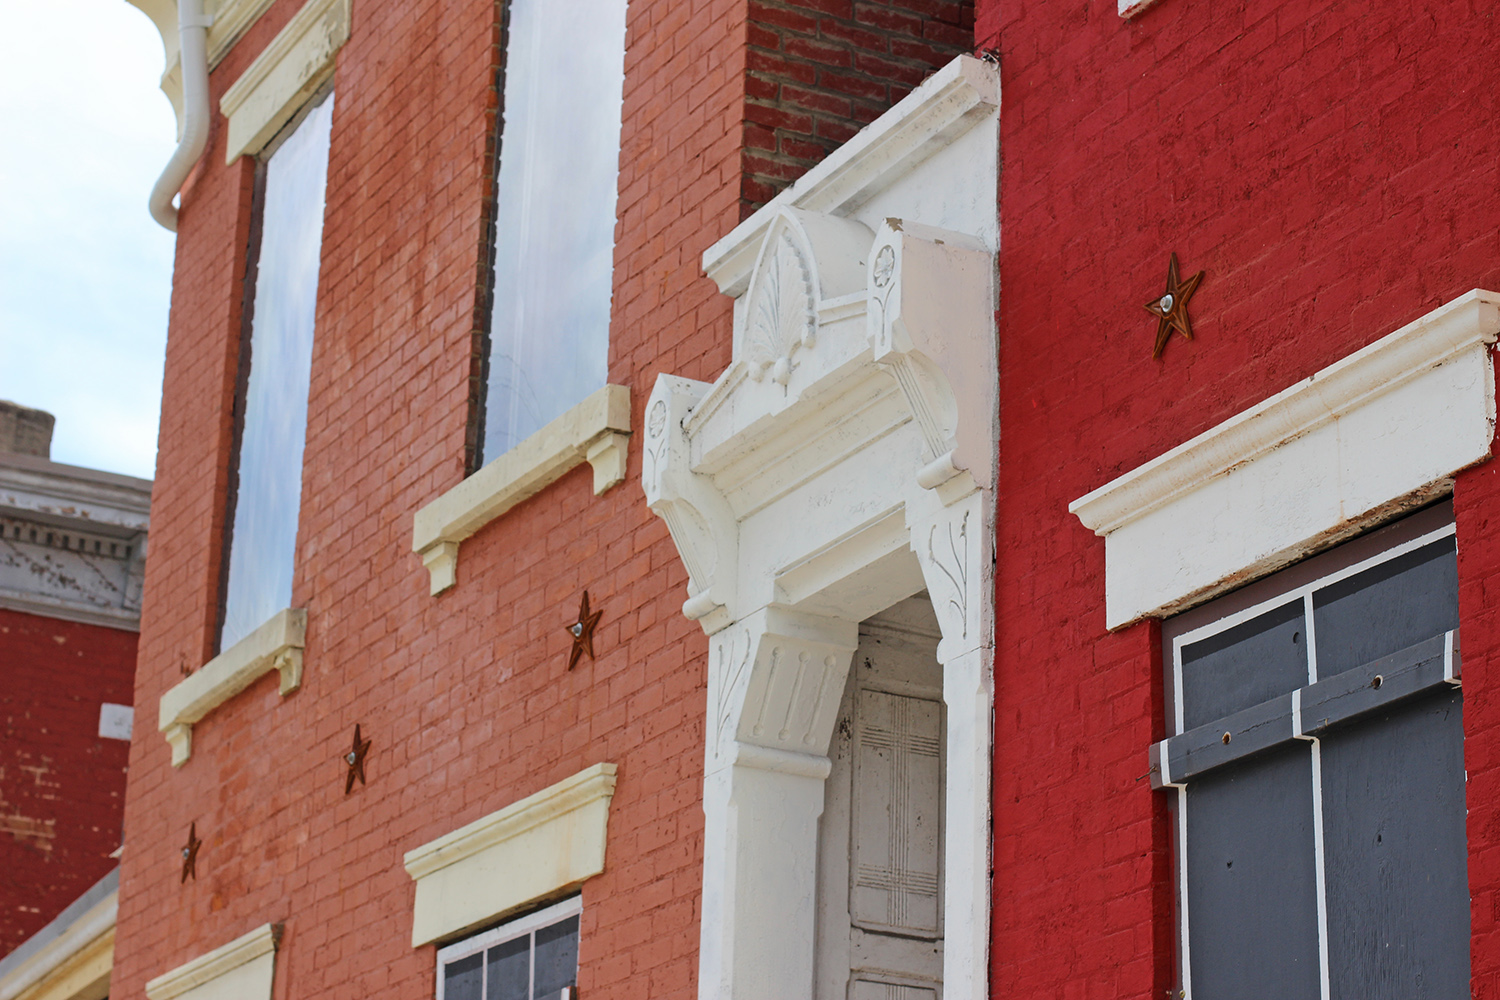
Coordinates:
(775, 681)
(931, 322)
(698, 517)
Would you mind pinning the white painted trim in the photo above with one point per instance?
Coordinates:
(281, 79)
(70, 949)
(1388, 425)
(843, 462)
(544, 844)
(948, 102)
(596, 431)
(508, 931)
(1130, 8)
(257, 947)
(276, 645)
(68, 611)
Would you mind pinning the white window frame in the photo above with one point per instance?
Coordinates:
(509, 931)
(1280, 598)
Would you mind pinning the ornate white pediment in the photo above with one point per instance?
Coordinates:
(843, 462)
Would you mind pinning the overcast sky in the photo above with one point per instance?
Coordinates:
(85, 275)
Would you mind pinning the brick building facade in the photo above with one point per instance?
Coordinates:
(868, 705)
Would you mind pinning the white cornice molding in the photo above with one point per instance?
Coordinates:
(72, 496)
(75, 939)
(123, 618)
(595, 431)
(205, 969)
(544, 844)
(1387, 424)
(946, 104)
(281, 79)
(276, 645)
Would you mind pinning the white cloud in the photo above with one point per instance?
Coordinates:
(85, 275)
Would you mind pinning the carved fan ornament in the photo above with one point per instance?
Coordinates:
(781, 317)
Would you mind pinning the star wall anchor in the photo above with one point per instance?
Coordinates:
(582, 632)
(354, 760)
(190, 854)
(1170, 309)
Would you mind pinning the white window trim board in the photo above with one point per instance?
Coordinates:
(596, 431)
(74, 952)
(1379, 431)
(248, 964)
(276, 645)
(544, 844)
(281, 79)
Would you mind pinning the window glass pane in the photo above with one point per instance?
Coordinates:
(556, 958)
(1251, 884)
(555, 213)
(264, 537)
(1387, 608)
(1244, 666)
(462, 979)
(509, 970)
(1396, 854)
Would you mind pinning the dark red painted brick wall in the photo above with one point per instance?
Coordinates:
(1333, 166)
(62, 787)
(820, 70)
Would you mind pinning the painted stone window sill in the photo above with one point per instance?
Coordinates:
(542, 845)
(276, 645)
(595, 431)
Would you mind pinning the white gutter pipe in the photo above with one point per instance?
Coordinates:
(192, 40)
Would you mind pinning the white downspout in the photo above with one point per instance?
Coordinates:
(192, 36)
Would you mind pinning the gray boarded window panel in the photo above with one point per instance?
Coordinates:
(897, 828)
(1251, 883)
(1245, 665)
(464, 979)
(1387, 607)
(556, 958)
(508, 968)
(1395, 850)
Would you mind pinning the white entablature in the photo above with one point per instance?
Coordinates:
(843, 462)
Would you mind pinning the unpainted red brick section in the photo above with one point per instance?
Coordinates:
(1333, 167)
(62, 786)
(820, 70)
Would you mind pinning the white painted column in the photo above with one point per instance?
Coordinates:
(775, 681)
(760, 875)
(953, 544)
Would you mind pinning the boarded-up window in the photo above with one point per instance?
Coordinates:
(1317, 753)
(529, 958)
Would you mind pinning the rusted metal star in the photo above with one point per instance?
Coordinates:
(355, 761)
(190, 854)
(582, 632)
(1171, 309)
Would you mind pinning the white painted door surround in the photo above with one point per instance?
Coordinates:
(843, 462)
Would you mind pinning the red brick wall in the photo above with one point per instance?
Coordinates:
(820, 70)
(465, 696)
(1332, 165)
(62, 787)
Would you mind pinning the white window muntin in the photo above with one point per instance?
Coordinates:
(508, 931)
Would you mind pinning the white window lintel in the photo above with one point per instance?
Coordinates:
(276, 645)
(1380, 430)
(546, 843)
(281, 79)
(595, 431)
(240, 970)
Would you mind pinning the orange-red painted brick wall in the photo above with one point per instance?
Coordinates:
(820, 70)
(1333, 166)
(465, 696)
(62, 786)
